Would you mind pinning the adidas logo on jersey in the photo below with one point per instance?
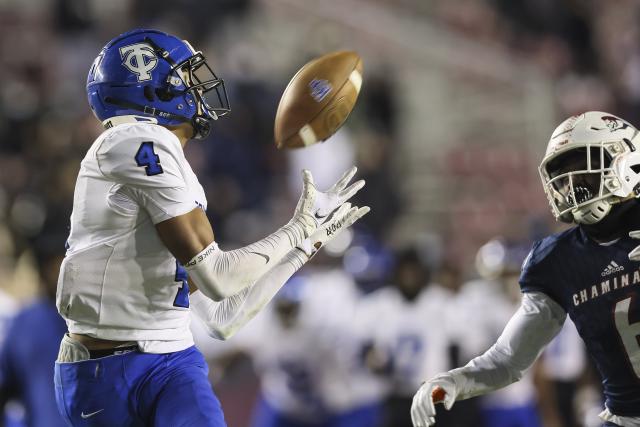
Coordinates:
(613, 267)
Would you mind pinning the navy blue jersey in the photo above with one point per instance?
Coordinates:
(600, 290)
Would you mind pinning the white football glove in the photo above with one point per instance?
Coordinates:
(328, 201)
(342, 218)
(634, 255)
(423, 408)
(314, 206)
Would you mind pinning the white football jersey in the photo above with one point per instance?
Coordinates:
(289, 362)
(310, 369)
(118, 281)
(413, 334)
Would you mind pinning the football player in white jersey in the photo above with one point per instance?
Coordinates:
(141, 252)
(482, 307)
(402, 349)
(307, 355)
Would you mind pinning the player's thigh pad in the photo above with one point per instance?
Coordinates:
(94, 393)
(178, 393)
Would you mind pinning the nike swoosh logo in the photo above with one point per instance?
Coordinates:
(315, 214)
(84, 416)
(266, 257)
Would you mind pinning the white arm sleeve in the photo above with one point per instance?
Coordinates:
(536, 322)
(223, 318)
(221, 274)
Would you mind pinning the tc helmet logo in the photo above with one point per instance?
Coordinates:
(140, 59)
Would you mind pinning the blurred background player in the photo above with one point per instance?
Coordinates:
(565, 365)
(30, 348)
(588, 271)
(288, 354)
(306, 354)
(498, 264)
(399, 348)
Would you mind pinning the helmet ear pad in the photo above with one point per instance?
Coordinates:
(164, 94)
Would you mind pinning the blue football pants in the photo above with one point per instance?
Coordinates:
(138, 389)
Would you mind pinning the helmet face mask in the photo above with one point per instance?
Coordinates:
(586, 169)
(576, 178)
(156, 76)
(199, 80)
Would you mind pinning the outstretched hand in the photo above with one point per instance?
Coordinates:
(315, 207)
(441, 388)
(328, 201)
(342, 218)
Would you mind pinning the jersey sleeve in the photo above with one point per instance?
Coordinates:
(149, 162)
(145, 156)
(537, 271)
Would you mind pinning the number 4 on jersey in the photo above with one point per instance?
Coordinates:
(148, 158)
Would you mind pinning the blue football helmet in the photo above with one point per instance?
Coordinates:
(155, 75)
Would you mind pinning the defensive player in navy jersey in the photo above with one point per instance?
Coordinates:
(591, 272)
(141, 254)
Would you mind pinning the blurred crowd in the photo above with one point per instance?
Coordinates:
(590, 48)
(373, 321)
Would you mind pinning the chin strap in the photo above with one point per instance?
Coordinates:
(201, 125)
(592, 213)
(146, 109)
(599, 210)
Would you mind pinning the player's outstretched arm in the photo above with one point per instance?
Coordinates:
(224, 318)
(220, 274)
(536, 322)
